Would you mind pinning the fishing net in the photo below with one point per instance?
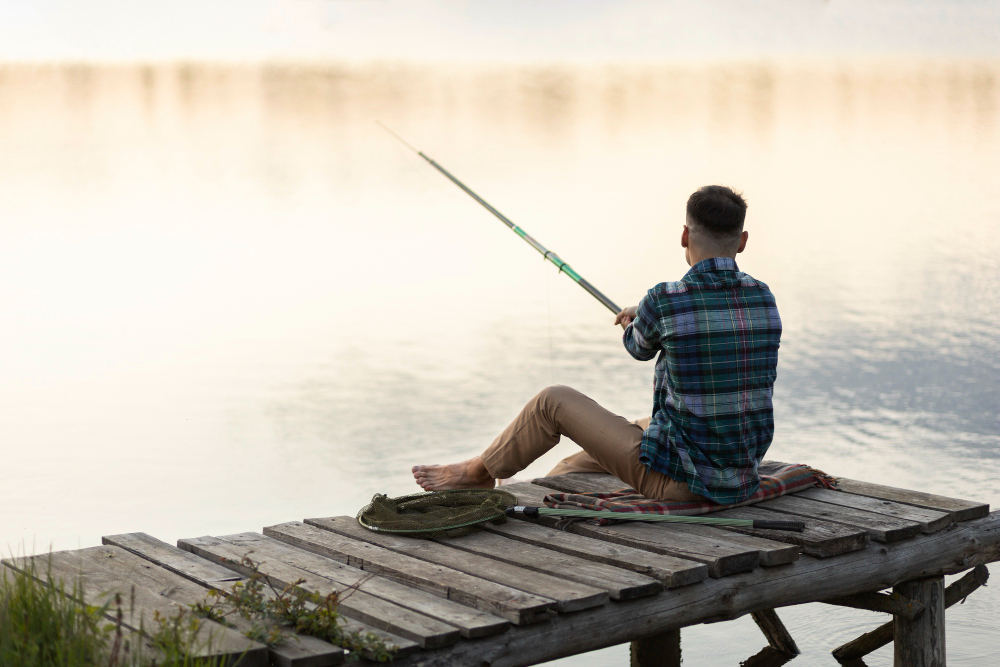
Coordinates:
(436, 513)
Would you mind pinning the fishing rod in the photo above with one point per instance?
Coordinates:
(545, 252)
(760, 524)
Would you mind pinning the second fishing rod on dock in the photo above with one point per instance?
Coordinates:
(545, 252)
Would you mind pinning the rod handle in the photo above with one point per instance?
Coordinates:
(521, 509)
(766, 524)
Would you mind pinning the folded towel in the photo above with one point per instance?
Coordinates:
(780, 479)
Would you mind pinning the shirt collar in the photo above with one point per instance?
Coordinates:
(713, 264)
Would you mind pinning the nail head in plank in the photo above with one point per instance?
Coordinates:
(619, 583)
(426, 631)
(297, 651)
(672, 571)
(471, 622)
(880, 527)
(962, 510)
(517, 606)
(214, 576)
(930, 521)
(568, 595)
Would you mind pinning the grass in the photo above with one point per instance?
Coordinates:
(49, 625)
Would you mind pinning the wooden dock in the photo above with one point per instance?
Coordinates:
(522, 593)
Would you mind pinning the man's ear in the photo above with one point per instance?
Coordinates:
(685, 237)
(743, 241)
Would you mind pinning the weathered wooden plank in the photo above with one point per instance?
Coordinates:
(821, 538)
(771, 552)
(620, 584)
(806, 580)
(569, 595)
(300, 651)
(930, 521)
(171, 558)
(722, 558)
(921, 642)
(962, 510)
(512, 604)
(217, 577)
(426, 631)
(876, 639)
(673, 572)
(99, 585)
(471, 622)
(880, 527)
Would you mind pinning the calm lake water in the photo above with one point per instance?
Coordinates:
(231, 300)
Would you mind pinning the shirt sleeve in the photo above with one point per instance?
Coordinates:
(642, 336)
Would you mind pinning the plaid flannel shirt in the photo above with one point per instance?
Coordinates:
(716, 332)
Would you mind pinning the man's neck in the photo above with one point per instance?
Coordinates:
(693, 256)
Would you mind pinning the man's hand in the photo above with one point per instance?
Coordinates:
(625, 317)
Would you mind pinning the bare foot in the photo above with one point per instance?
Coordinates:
(471, 474)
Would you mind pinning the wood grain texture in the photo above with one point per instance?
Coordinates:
(471, 622)
(921, 642)
(876, 639)
(807, 580)
(893, 603)
(426, 631)
(723, 558)
(140, 604)
(176, 560)
(930, 521)
(510, 603)
(220, 578)
(777, 635)
(820, 538)
(620, 584)
(880, 527)
(296, 651)
(962, 510)
(568, 595)
(671, 571)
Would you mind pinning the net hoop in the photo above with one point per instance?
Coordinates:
(436, 513)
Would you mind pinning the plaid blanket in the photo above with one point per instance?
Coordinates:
(776, 479)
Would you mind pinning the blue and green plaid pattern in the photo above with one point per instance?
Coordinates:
(716, 332)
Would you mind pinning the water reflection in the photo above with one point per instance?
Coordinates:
(231, 300)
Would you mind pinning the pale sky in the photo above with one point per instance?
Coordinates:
(493, 30)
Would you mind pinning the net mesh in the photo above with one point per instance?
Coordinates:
(436, 513)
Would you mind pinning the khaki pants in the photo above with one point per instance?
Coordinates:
(610, 443)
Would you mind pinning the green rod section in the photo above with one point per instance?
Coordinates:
(545, 252)
(666, 518)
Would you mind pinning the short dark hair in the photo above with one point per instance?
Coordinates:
(718, 210)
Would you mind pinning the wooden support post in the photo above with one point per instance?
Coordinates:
(662, 650)
(876, 639)
(920, 643)
(777, 635)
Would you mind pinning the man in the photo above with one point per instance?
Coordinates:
(716, 333)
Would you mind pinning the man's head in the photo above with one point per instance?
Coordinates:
(714, 227)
